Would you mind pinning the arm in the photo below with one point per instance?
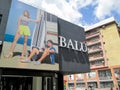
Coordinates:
(52, 50)
(34, 20)
(37, 20)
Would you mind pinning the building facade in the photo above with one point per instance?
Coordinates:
(103, 41)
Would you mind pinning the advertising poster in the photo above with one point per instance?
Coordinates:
(31, 39)
(35, 39)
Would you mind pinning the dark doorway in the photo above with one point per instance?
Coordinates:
(16, 83)
(49, 83)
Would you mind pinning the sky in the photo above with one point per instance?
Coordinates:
(80, 12)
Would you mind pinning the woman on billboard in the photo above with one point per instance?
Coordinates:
(23, 29)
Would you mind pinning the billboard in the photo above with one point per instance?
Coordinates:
(36, 39)
(30, 39)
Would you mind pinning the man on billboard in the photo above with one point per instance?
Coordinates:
(49, 50)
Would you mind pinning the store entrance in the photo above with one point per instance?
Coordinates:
(16, 83)
(28, 83)
(19, 79)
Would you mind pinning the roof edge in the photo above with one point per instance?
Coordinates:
(103, 22)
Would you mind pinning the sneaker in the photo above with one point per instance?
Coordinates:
(26, 61)
(37, 62)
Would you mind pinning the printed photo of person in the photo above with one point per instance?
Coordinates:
(31, 39)
(23, 29)
(48, 50)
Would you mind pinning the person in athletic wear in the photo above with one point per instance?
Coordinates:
(49, 50)
(23, 29)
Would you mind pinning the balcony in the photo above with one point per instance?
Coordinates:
(96, 58)
(97, 64)
(80, 85)
(105, 78)
(80, 80)
(90, 51)
(92, 35)
(94, 42)
(92, 67)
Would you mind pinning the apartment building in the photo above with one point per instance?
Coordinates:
(103, 41)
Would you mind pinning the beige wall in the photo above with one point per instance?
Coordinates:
(112, 44)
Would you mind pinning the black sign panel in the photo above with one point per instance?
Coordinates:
(72, 50)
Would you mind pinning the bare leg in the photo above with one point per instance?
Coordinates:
(24, 46)
(44, 55)
(17, 36)
(34, 51)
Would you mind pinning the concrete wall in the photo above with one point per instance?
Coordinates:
(4, 10)
(112, 44)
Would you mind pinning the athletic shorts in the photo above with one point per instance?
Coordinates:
(24, 30)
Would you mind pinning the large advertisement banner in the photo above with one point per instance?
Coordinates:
(31, 39)
(36, 39)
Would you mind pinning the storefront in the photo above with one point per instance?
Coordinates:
(37, 48)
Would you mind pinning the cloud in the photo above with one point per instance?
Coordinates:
(60, 8)
(106, 8)
(70, 10)
(67, 10)
(79, 4)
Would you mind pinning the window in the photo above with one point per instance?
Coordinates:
(70, 77)
(95, 55)
(80, 77)
(48, 17)
(54, 18)
(71, 85)
(0, 18)
(92, 84)
(91, 74)
(105, 74)
(51, 18)
(80, 84)
(117, 73)
(97, 46)
(97, 62)
(106, 84)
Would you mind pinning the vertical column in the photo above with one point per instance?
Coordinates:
(85, 79)
(74, 80)
(97, 77)
(0, 79)
(60, 82)
(37, 83)
(114, 78)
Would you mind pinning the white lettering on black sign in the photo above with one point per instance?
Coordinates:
(73, 44)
